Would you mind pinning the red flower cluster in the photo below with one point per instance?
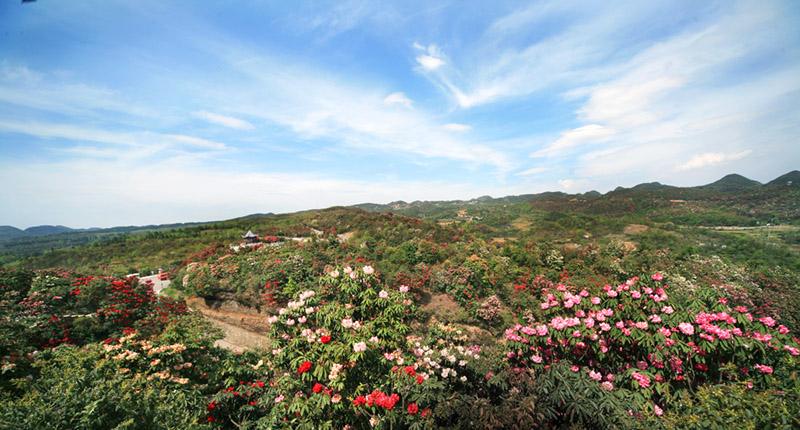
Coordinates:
(304, 367)
(325, 339)
(378, 398)
(269, 292)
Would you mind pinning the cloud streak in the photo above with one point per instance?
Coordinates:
(225, 121)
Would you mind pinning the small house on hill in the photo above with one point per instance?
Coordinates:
(250, 237)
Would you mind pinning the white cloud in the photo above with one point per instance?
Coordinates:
(571, 185)
(23, 87)
(398, 98)
(430, 62)
(47, 130)
(569, 139)
(196, 141)
(223, 120)
(711, 159)
(506, 63)
(123, 142)
(533, 171)
(456, 127)
(431, 57)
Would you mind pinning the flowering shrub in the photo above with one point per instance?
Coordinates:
(341, 356)
(634, 336)
(489, 309)
(329, 350)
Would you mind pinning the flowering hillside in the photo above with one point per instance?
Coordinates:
(387, 321)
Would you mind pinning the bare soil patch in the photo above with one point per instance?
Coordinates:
(635, 229)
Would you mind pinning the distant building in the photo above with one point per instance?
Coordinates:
(250, 237)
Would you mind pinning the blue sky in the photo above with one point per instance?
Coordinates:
(116, 112)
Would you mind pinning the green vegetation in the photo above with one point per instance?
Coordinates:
(624, 310)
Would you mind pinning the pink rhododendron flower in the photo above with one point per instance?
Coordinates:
(657, 276)
(767, 321)
(763, 369)
(686, 328)
(641, 379)
(595, 300)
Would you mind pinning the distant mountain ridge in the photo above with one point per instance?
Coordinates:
(791, 179)
(728, 184)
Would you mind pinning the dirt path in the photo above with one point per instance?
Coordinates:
(238, 339)
(242, 330)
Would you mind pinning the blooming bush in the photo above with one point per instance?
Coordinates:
(634, 336)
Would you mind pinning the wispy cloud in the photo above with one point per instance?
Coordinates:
(121, 141)
(398, 98)
(196, 141)
(457, 127)
(711, 159)
(587, 134)
(533, 171)
(355, 114)
(225, 121)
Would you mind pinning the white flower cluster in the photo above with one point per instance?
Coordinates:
(336, 368)
(349, 323)
(445, 361)
(312, 335)
(295, 307)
